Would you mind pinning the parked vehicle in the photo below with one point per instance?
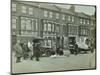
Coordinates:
(47, 51)
(77, 47)
(71, 45)
(83, 47)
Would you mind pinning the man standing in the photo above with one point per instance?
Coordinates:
(18, 51)
(76, 49)
(36, 51)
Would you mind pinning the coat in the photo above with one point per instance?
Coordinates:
(36, 51)
(18, 50)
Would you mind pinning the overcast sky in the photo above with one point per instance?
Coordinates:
(85, 9)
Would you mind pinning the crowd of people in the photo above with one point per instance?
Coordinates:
(31, 50)
(26, 50)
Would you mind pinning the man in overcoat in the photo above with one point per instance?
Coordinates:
(36, 51)
(18, 51)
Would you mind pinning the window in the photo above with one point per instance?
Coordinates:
(28, 24)
(23, 24)
(84, 31)
(49, 43)
(63, 17)
(72, 18)
(14, 7)
(23, 9)
(45, 13)
(57, 28)
(49, 27)
(50, 14)
(53, 28)
(57, 15)
(81, 21)
(92, 23)
(45, 42)
(45, 28)
(30, 11)
(36, 27)
(84, 21)
(69, 18)
(87, 21)
(14, 22)
(73, 30)
(35, 33)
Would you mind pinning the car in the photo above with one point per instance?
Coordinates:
(47, 51)
(83, 47)
(71, 48)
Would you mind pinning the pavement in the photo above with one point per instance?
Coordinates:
(55, 63)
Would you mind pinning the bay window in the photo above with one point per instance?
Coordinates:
(49, 26)
(28, 26)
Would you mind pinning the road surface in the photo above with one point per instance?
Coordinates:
(58, 63)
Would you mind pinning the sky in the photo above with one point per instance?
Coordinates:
(81, 8)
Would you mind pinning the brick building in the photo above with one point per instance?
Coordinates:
(47, 20)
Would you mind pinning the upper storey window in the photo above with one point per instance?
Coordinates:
(30, 11)
(45, 13)
(23, 9)
(14, 7)
(50, 14)
(57, 15)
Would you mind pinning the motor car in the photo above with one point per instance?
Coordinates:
(47, 51)
(83, 47)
